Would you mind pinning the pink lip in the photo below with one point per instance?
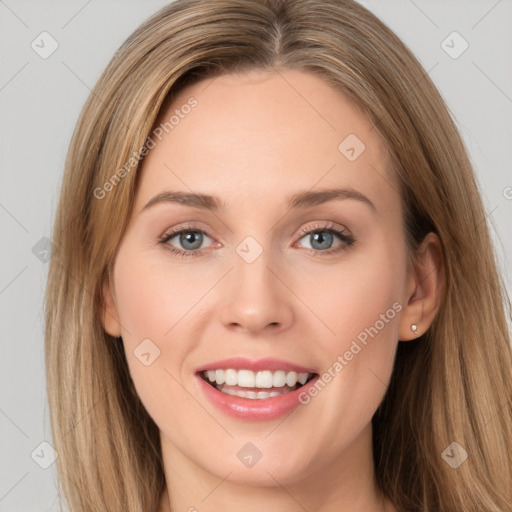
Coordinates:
(244, 363)
(254, 409)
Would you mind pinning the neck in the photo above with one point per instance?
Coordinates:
(343, 481)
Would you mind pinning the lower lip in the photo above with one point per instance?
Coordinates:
(254, 409)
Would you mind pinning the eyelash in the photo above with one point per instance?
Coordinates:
(347, 239)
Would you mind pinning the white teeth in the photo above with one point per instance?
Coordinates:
(302, 377)
(278, 379)
(249, 379)
(291, 378)
(246, 379)
(231, 377)
(219, 377)
(264, 379)
(260, 395)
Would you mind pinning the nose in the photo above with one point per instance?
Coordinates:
(256, 298)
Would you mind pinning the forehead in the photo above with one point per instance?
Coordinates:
(268, 133)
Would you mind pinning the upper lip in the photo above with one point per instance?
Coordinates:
(244, 363)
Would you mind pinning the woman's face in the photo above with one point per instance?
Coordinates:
(273, 269)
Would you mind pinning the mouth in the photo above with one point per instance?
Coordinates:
(255, 385)
(255, 389)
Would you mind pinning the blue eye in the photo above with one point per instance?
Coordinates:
(191, 239)
(321, 237)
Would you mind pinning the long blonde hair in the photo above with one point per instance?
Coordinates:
(454, 384)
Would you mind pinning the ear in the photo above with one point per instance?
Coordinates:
(424, 289)
(110, 318)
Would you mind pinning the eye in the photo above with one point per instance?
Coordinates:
(190, 238)
(322, 237)
(188, 241)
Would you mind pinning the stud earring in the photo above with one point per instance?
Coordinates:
(414, 328)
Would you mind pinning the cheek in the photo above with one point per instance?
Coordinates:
(152, 308)
(362, 306)
(362, 309)
(360, 295)
(151, 299)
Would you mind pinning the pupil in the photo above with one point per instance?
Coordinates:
(190, 237)
(321, 237)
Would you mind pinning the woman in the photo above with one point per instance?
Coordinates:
(332, 212)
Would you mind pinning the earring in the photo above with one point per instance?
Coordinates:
(414, 328)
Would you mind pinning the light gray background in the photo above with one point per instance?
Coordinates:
(40, 100)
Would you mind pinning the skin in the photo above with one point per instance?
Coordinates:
(253, 140)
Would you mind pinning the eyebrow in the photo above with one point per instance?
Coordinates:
(304, 199)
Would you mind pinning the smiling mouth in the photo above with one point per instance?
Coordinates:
(255, 385)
